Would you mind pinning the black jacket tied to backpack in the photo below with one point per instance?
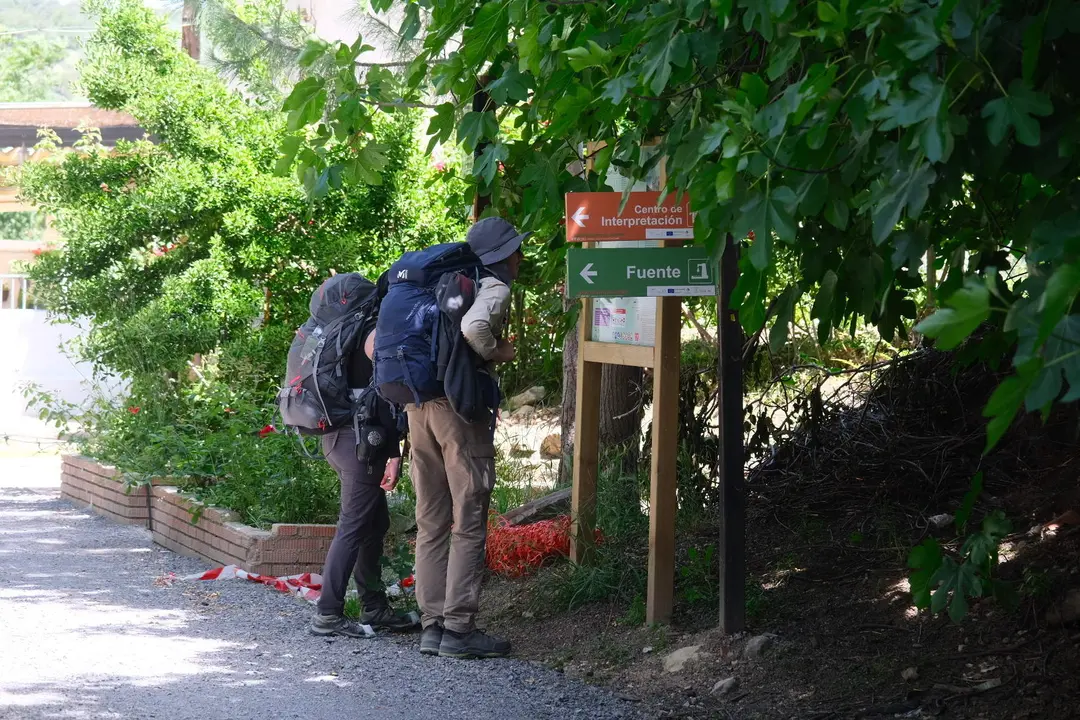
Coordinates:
(473, 393)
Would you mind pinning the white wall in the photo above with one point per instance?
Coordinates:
(30, 352)
(339, 21)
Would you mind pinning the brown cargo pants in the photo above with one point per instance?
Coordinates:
(452, 468)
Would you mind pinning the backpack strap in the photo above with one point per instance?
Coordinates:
(287, 430)
(409, 382)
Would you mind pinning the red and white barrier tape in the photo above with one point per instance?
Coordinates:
(306, 585)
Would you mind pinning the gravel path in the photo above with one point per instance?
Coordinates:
(86, 633)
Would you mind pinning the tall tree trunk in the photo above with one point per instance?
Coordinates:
(189, 34)
(569, 400)
(620, 417)
(189, 43)
(481, 103)
(620, 406)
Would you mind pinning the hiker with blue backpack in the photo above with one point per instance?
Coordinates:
(437, 342)
(328, 392)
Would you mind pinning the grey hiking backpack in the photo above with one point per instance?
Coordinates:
(314, 398)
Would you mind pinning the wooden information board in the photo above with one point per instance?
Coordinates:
(596, 218)
(664, 359)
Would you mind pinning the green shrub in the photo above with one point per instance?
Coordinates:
(214, 440)
(192, 244)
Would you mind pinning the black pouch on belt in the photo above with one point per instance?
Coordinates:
(372, 438)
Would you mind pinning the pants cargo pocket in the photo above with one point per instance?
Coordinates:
(482, 462)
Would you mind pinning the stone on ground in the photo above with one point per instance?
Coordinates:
(941, 521)
(525, 412)
(532, 396)
(551, 447)
(757, 646)
(674, 662)
(723, 687)
(1067, 611)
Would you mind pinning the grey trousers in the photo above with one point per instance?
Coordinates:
(364, 518)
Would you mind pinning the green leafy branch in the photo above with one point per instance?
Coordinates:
(941, 581)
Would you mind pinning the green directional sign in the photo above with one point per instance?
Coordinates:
(640, 272)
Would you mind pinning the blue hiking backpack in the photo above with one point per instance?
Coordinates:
(413, 335)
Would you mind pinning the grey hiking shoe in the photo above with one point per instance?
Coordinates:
(431, 639)
(384, 618)
(475, 644)
(328, 625)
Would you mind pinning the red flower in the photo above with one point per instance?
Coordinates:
(750, 236)
(134, 409)
(408, 582)
(36, 252)
(267, 431)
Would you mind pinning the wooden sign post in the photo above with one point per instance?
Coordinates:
(666, 273)
(732, 486)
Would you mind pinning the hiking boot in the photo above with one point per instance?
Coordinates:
(474, 644)
(328, 625)
(384, 618)
(431, 639)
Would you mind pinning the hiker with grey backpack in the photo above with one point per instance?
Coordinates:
(328, 392)
(437, 340)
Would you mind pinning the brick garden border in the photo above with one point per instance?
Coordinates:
(99, 488)
(184, 525)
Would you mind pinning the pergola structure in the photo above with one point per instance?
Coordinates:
(20, 122)
(19, 125)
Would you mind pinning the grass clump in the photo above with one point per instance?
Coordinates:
(618, 569)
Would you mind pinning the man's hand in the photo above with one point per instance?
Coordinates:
(391, 474)
(504, 351)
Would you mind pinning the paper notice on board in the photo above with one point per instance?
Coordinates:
(627, 321)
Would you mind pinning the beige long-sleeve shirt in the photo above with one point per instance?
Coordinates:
(483, 323)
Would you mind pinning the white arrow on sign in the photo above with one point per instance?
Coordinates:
(579, 216)
(587, 273)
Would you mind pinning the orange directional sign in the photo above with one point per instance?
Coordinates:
(595, 217)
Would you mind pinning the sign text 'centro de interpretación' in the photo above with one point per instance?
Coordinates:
(595, 217)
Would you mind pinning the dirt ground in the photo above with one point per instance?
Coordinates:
(831, 629)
